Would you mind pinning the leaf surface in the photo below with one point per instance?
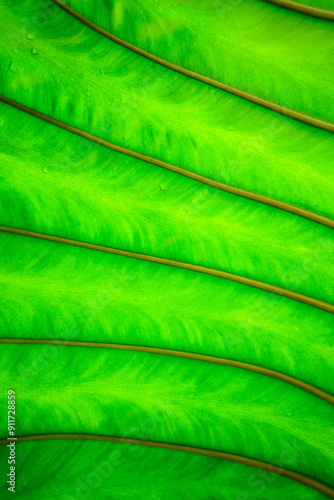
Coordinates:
(141, 208)
(243, 43)
(94, 84)
(67, 293)
(90, 467)
(191, 402)
(137, 283)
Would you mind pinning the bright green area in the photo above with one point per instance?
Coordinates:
(163, 398)
(55, 291)
(55, 182)
(64, 185)
(102, 470)
(53, 63)
(274, 53)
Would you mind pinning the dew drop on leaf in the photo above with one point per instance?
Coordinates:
(34, 51)
(126, 134)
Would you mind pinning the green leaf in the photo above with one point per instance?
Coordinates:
(91, 468)
(141, 208)
(96, 85)
(246, 44)
(116, 299)
(166, 278)
(162, 398)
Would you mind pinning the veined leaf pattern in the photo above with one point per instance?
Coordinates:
(166, 242)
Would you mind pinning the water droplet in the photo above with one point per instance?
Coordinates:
(30, 36)
(163, 187)
(12, 67)
(126, 134)
(45, 170)
(34, 51)
(289, 414)
(24, 483)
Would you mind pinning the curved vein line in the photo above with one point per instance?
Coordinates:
(182, 354)
(183, 265)
(187, 173)
(315, 122)
(295, 476)
(305, 9)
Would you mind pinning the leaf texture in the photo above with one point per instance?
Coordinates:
(140, 208)
(111, 298)
(95, 467)
(167, 334)
(128, 100)
(199, 404)
(262, 64)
